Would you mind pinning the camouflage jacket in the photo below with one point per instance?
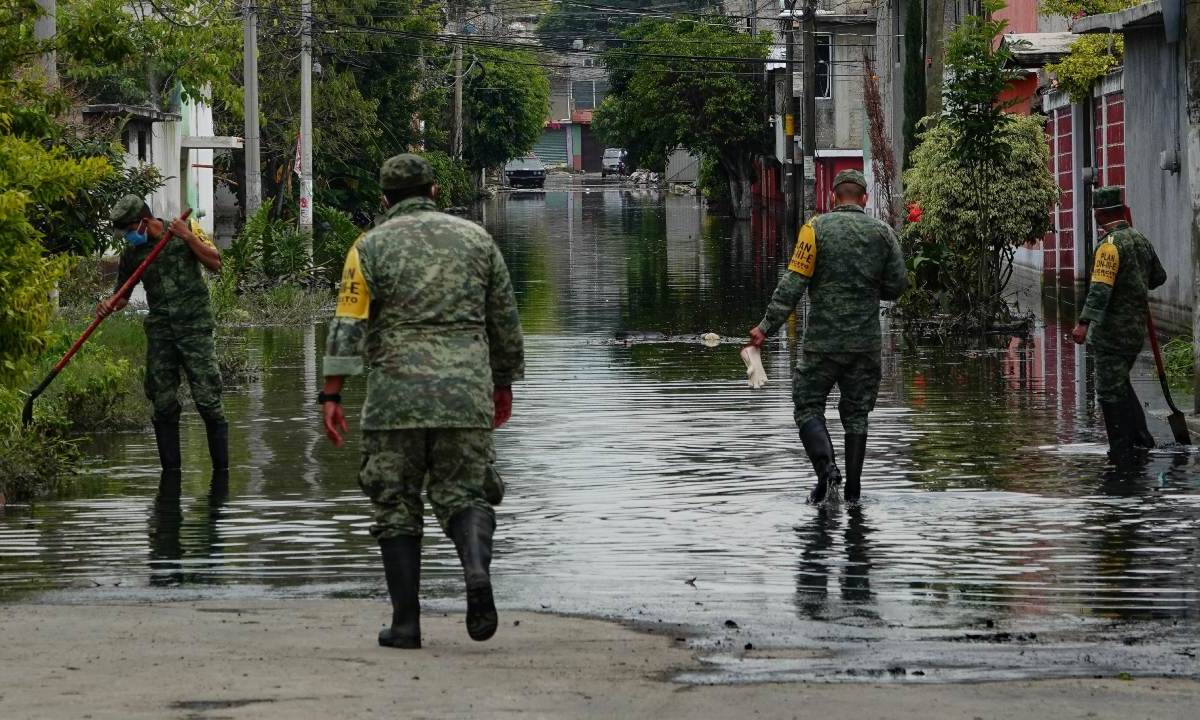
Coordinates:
(428, 296)
(848, 262)
(175, 288)
(1124, 271)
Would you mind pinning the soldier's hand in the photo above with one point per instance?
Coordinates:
(181, 229)
(757, 337)
(1079, 334)
(104, 308)
(502, 398)
(335, 423)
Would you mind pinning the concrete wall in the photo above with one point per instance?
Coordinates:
(1156, 120)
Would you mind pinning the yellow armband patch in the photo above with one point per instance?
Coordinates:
(804, 257)
(1108, 261)
(354, 297)
(199, 233)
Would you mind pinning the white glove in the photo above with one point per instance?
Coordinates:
(754, 367)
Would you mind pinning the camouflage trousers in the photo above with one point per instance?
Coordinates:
(449, 464)
(196, 356)
(857, 376)
(1112, 375)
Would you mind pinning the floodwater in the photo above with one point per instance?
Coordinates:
(648, 483)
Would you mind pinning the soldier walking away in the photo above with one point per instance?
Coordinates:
(429, 298)
(1113, 322)
(848, 262)
(179, 333)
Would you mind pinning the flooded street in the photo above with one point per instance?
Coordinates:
(647, 482)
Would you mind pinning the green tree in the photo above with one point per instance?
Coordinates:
(115, 51)
(981, 179)
(1091, 56)
(563, 22)
(705, 99)
(506, 100)
(35, 174)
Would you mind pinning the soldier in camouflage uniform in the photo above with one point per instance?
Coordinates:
(429, 298)
(848, 262)
(1113, 321)
(179, 332)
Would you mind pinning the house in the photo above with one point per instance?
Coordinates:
(844, 36)
(180, 144)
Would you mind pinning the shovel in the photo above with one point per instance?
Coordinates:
(1176, 419)
(27, 412)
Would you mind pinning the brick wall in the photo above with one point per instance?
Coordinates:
(1108, 141)
(1058, 247)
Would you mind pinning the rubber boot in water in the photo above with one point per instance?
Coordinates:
(856, 452)
(402, 568)
(819, 447)
(1119, 426)
(169, 484)
(219, 448)
(1140, 433)
(166, 436)
(471, 530)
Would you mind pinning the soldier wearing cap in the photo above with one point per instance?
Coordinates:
(179, 332)
(428, 296)
(1113, 321)
(847, 261)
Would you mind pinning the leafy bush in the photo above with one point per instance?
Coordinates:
(953, 268)
(237, 365)
(333, 234)
(1177, 356)
(33, 463)
(453, 178)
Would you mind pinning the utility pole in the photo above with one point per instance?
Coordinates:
(306, 169)
(935, 30)
(457, 141)
(789, 117)
(809, 140)
(250, 107)
(45, 27)
(753, 18)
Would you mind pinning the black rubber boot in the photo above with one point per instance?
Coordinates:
(402, 568)
(819, 447)
(166, 436)
(471, 530)
(856, 452)
(169, 483)
(1119, 426)
(1137, 414)
(218, 444)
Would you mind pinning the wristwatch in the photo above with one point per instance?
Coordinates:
(323, 397)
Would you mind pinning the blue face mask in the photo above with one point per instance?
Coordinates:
(135, 238)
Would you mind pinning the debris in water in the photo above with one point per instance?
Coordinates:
(731, 624)
(710, 339)
(749, 646)
(691, 582)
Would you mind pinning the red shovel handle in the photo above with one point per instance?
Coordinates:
(124, 290)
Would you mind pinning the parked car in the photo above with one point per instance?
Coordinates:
(525, 172)
(613, 162)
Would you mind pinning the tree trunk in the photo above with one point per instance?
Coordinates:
(739, 170)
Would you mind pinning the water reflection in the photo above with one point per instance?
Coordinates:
(634, 467)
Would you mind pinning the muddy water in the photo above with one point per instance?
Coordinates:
(648, 483)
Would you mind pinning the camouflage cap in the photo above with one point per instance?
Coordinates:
(401, 172)
(1107, 198)
(126, 211)
(851, 176)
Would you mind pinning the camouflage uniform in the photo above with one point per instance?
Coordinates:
(179, 327)
(428, 296)
(848, 262)
(1125, 269)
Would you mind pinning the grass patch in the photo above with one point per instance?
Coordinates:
(34, 463)
(281, 305)
(1177, 356)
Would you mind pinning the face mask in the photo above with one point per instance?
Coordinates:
(135, 238)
